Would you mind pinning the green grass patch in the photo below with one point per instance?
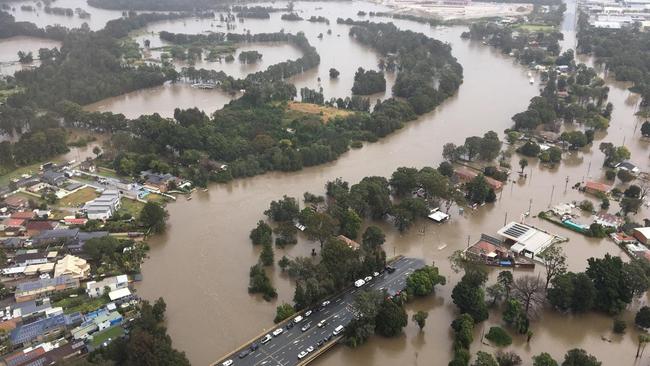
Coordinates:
(130, 206)
(82, 304)
(153, 197)
(106, 172)
(78, 198)
(112, 333)
(535, 27)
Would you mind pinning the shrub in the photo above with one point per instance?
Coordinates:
(499, 337)
(610, 174)
(283, 311)
(619, 326)
(586, 205)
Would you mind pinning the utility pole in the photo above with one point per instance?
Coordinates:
(566, 183)
(530, 205)
(551, 200)
(588, 168)
(468, 241)
(505, 219)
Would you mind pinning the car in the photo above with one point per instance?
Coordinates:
(277, 332)
(367, 279)
(297, 319)
(302, 355)
(338, 330)
(308, 313)
(325, 303)
(254, 347)
(390, 269)
(320, 343)
(306, 327)
(328, 337)
(289, 325)
(267, 338)
(310, 349)
(322, 323)
(244, 353)
(359, 283)
(375, 274)
(226, 363)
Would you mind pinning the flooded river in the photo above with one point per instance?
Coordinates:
(200, 265)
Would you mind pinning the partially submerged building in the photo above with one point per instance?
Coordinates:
(526, 240)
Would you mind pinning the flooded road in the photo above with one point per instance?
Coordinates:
(200, 265)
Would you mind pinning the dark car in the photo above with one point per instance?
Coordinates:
(254, 347)
(289, 325)
(244, 353)
(320, 343)
(390, 269)
(328, 337)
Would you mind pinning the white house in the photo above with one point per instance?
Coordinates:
(97, 288)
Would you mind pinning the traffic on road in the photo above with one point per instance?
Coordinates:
(291, 343)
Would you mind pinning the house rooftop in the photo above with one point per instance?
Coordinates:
(597, 186)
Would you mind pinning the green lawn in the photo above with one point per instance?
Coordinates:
(112, 333)
(535, 27)
(153, 197)
(81, 304)
(78, 198)
(28, 169)
(105, 172)
(131, 206)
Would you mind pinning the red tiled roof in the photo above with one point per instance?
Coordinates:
(39, 225)
(596, 186)
(22, 215)
(15, 201)
(76, 221)
(13, 222)
(351, 243)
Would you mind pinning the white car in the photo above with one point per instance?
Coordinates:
(325, 303)
(297, 319)
(310, 349)
(368, 279)
(375, 274)
(278, 331)
(322, 323)
(308, 313)
(359, 283)
(266, 339)
(226, 363)
(302, 355)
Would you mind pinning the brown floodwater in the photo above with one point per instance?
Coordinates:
(97, 20)
(10, 47)
(200, 265)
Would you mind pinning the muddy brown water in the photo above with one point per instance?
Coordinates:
(200, 265)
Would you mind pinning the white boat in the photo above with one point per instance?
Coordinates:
(530, 74)
(531, 81)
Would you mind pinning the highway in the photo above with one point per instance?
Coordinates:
(284, 349)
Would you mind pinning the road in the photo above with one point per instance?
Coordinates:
(284, 349)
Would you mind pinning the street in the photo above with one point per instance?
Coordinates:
(284, 349)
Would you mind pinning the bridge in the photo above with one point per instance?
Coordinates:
(284, 348)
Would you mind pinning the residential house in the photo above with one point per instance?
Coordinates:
(104, 206)
(488, 249)
(31, 290)
(83, 237)
(30, 308)
(40, 330)
(97, 288)
(642, 234)
(107, 320)
(597, 188)
(57, 237)
(526, 240)
(34, 228)
(53, 178)
(73, 221)
(72, 266)
(23, 215)
(622, 238)
(349, 242)
(608, 220)
(157, 181)
(626, 165)
(16, 202)
(12, 243)
(88, 166)
(464, 175)
(120, 294)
